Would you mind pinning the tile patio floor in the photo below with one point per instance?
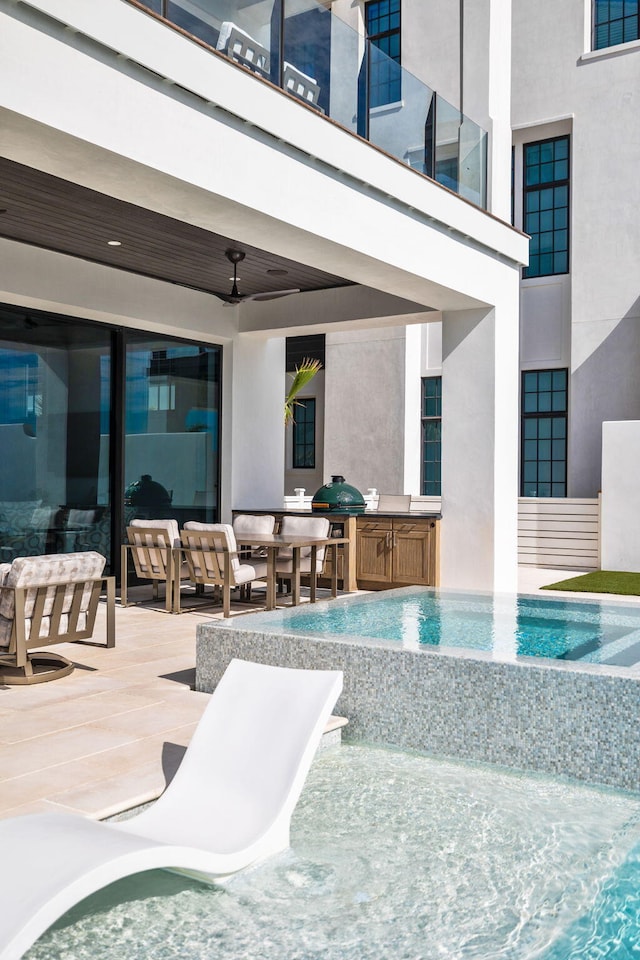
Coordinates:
(109, 736)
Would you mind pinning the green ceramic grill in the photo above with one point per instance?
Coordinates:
(338, 497)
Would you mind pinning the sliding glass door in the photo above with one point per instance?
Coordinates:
(97, 426)
(55, 412)
(171, 429)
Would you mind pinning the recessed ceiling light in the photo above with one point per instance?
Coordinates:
(277, 272)
(114, 243)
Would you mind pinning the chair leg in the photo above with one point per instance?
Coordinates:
(111, 612)
(123, 577)
(226, 600)
(334, 570)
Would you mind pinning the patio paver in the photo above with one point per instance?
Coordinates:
(110, 735)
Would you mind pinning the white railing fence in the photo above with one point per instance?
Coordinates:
(302, 501)
(555, 532)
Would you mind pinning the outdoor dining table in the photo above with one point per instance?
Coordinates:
(274, 541)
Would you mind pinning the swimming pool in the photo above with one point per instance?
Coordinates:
(394, 856)
(550, 685)
(506, 627)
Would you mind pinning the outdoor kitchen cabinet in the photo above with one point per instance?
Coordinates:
(396, 551)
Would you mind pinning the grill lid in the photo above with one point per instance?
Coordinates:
(338, 496)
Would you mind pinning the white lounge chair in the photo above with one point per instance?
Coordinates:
(228, 806)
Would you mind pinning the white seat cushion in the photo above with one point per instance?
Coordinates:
(242, 572)
(224, 528)
(168, 533)
(303, 527)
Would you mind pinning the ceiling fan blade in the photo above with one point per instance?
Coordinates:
(274, 295)
(227, 298)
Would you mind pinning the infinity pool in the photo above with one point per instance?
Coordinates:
(588, 632)
(395, 856)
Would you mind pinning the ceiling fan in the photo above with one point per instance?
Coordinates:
(235, 257)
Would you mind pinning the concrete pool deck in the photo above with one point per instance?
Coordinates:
(107, 737)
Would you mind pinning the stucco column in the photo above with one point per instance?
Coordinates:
(480, 447)
(256, 448)
(487, 91)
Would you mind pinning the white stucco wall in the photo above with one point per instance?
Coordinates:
(364, 411)
(589, 320)
(620, 505)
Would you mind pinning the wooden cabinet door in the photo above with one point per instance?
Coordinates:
(374, 550)
(413, 560)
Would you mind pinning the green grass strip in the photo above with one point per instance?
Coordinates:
(601, 581)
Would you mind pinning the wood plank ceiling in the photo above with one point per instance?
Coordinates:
(50, 212)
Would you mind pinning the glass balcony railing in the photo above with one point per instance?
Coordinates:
(305, 49)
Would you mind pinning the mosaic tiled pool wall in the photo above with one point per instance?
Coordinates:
(564, 720)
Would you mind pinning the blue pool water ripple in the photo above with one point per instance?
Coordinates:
(396, 856)
(531, 627)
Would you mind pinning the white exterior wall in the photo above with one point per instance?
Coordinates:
(588, 320)
(480, 447)
(620, 510)
(364, 410)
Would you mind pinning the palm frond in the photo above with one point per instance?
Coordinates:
(305, 372)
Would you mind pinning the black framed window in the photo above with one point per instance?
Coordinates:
(382, 22)
(431, 436)
(614, 22)
(546, 206)
(304, 435)
(544, 433)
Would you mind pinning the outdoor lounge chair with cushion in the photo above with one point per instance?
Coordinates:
(211, 556)
(300, 84)
(153, 545)
(242, 48)
(49, 600)
(228, 806)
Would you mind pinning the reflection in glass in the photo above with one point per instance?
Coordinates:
(305, 48)
(171, 426)
(61, 460)
(54, 428)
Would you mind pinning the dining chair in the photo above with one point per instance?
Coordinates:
(211, 555)
(153, 546)
(303, 527)
(245, 524)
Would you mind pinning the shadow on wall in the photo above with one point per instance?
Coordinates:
(605, 386)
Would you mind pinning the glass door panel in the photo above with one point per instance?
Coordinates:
(172, 401)
(55, 405)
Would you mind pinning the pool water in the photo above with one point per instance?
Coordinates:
(396, 856)
(508, 627)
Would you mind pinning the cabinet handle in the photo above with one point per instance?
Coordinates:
(394, 541)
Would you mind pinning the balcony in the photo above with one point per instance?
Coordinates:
(307, 51)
